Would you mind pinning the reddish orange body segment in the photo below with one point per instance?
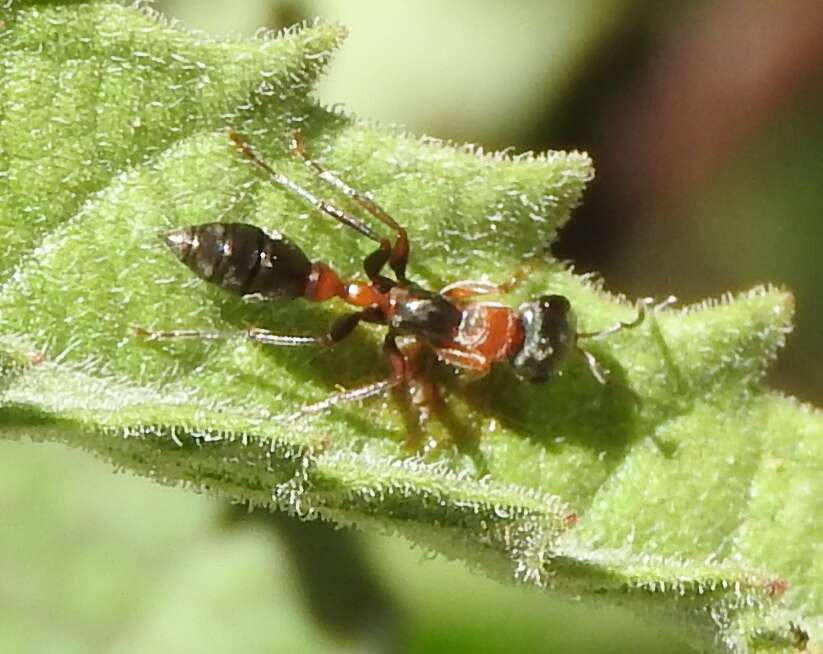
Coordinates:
(325, 284)
(491, 330)
(488, 332)
(364, 294)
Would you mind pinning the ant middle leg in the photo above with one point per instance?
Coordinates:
(420, 395)
(398, 255)
(398, 374)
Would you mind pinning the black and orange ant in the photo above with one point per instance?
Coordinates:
(536, 339)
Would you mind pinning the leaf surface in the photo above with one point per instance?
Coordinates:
(681, 488)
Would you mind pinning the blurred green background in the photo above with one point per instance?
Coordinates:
(704, 121)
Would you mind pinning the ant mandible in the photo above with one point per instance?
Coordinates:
(536, 339)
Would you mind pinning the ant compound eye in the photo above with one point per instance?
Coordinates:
(557, 305)
(549, 334)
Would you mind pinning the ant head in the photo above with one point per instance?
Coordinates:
(549, 334)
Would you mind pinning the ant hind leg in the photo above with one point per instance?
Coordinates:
(245, 149)
(398, 254)
(339, 330)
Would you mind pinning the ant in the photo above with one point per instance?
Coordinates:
(535, 340)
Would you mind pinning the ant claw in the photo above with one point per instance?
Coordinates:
(140, 332)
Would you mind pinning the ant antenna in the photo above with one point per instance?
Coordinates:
(594, 367)
(641, 316)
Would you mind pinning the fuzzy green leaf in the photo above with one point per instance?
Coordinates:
(680, 488)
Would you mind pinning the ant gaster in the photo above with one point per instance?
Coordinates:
(535, 339)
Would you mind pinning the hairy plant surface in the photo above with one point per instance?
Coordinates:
(681, 488)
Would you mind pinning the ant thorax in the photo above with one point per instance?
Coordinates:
(491, 330)
(427, 315)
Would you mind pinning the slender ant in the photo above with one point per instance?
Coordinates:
(536, 339)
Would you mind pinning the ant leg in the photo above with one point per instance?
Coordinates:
(398, 375)
(350, 395)
(419, 395)
(374, 262)
(339, 330)
(594, 367)
(465, 289)
(281, 180)
(477, 364)
(398, 256)
(253, 334)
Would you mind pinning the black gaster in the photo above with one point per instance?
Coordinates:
(429, 316)
(243, 259)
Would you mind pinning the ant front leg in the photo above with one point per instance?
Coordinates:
(396, 255)
(467, 289)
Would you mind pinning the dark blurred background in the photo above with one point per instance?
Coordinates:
(704, 122)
